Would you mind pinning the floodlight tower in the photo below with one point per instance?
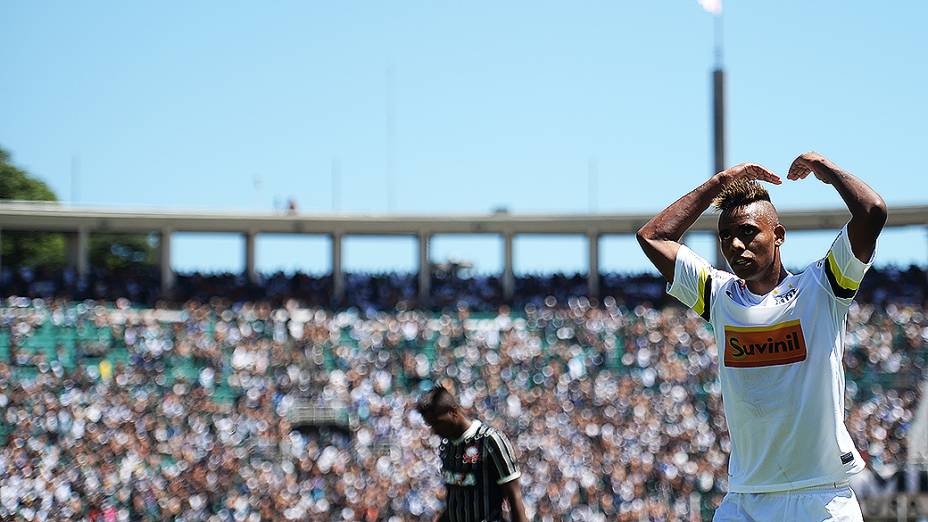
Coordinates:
(718, 100)
(718, 111)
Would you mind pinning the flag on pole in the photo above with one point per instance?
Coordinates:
(712, 6)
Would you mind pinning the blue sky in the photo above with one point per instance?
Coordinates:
(235, 105)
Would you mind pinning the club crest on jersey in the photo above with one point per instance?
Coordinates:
(756, 346)
(785, 296)
(471, 455)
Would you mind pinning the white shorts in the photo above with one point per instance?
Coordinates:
(819, 503)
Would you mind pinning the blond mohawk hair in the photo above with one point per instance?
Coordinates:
(739, 193)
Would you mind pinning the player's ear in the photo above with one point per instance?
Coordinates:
(779, 232)
(457, 414)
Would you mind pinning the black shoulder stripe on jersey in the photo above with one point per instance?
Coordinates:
(510, 454)
(497, 458)
(840, 291)
(707, 297)
(504, 460)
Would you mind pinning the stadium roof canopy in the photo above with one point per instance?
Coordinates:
(48, 216)
(80, 222)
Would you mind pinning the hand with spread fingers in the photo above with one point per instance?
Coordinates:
(810, 162)
(748, 172)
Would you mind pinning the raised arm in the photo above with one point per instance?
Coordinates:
(660, 237)
(868, 210)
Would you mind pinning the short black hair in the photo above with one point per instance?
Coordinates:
(740, 193)
(436, 401)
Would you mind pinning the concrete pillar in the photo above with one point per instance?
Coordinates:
(338, 277)
(509, 280)
(250, 271)
(78, 244)
(593, 271)
(425, 268)
(164, 262)
(83, 252)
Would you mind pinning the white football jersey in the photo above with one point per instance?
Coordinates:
(780, 367)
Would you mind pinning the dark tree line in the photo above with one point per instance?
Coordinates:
(112, 252)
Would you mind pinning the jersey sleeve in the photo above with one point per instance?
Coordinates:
(502, 457)
(695, 281)
(842, 269)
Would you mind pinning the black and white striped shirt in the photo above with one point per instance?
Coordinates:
(473, 468)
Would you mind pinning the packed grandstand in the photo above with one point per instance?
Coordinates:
(242, 402)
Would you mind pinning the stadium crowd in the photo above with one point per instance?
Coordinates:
(614, 409)
(386, 291)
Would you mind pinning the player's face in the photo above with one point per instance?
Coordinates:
(749, 237)
(442, 425)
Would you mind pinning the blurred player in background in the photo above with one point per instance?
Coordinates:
(477, 463)
(780, 337)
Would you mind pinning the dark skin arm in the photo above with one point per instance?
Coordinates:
(868, 210)
(513, 495)
(443, 515)
(660, 237)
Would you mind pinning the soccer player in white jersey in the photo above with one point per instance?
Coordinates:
(780, 337)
